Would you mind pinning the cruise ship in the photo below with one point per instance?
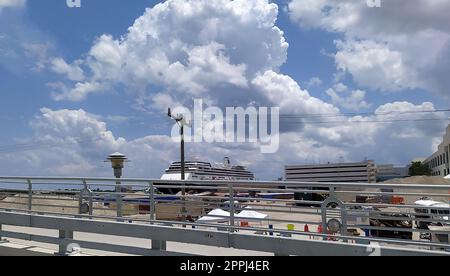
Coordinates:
(198, 170)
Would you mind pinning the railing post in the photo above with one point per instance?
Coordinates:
(332, 191)
(324, 222)
(30, 195)
(119, 200)
(91, 205)
(232, 208)
(80, 203)
(156, 244)
(1, 238)
(152, 201)
(159, 245)
(85, 193)
(65, 239)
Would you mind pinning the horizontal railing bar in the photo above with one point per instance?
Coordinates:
(190, 186)
(104, 208)
(124, 249)
(243, 189)
(315, 184)
(390, 193)
(289, 183)
(54, 199)
(113, 218)
(13, 190)
(277, 211)
(70, 184)
(30, 237)
(387, 205)
(59, 192)
(55, 206)
(394, 241)
(400, 229)
(4, 183)
(255, 199)
(171, 201)
(277, 231)
(193, 196)
(387, 213)
(356, 238)
(121, 193)
(209, 204)
(103, 247)
(249, 200)
(402, 219)
(13, 203)
(139, 195)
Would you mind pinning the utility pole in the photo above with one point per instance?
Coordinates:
(183, 173)
(180, 120)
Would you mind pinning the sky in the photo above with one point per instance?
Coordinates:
(77, 84)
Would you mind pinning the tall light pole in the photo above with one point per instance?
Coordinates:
(117, 163)
(181, 122)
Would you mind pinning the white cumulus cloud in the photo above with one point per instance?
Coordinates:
(12, 3)
(72, 71)
(284, 92)
(75, 143)
(351, 100)
(398, 46)
(228, 53)
(189, 47)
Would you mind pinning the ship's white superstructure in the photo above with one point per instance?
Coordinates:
(199, 170)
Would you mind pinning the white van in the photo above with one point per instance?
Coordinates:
(442, 213)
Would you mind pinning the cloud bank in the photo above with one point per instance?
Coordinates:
(402, 45)
(229, 53)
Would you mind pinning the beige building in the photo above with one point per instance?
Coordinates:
(362, 172)
(439, 161)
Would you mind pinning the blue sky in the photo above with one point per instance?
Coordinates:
(71, 32)
(32, 35)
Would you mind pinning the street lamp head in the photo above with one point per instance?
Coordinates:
(117, 160)
(117, 163)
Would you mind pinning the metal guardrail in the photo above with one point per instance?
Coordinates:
(334, 214)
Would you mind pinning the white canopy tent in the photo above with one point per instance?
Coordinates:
(216, 215)
(250, 215)
(219, 215)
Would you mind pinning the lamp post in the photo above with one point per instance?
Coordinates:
(117, 163)
(181, 122)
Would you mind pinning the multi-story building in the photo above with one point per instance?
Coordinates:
(388, 172)
(362, 172)
(439, 161)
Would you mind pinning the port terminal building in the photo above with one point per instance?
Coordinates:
(438, 162)
(360, 172)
